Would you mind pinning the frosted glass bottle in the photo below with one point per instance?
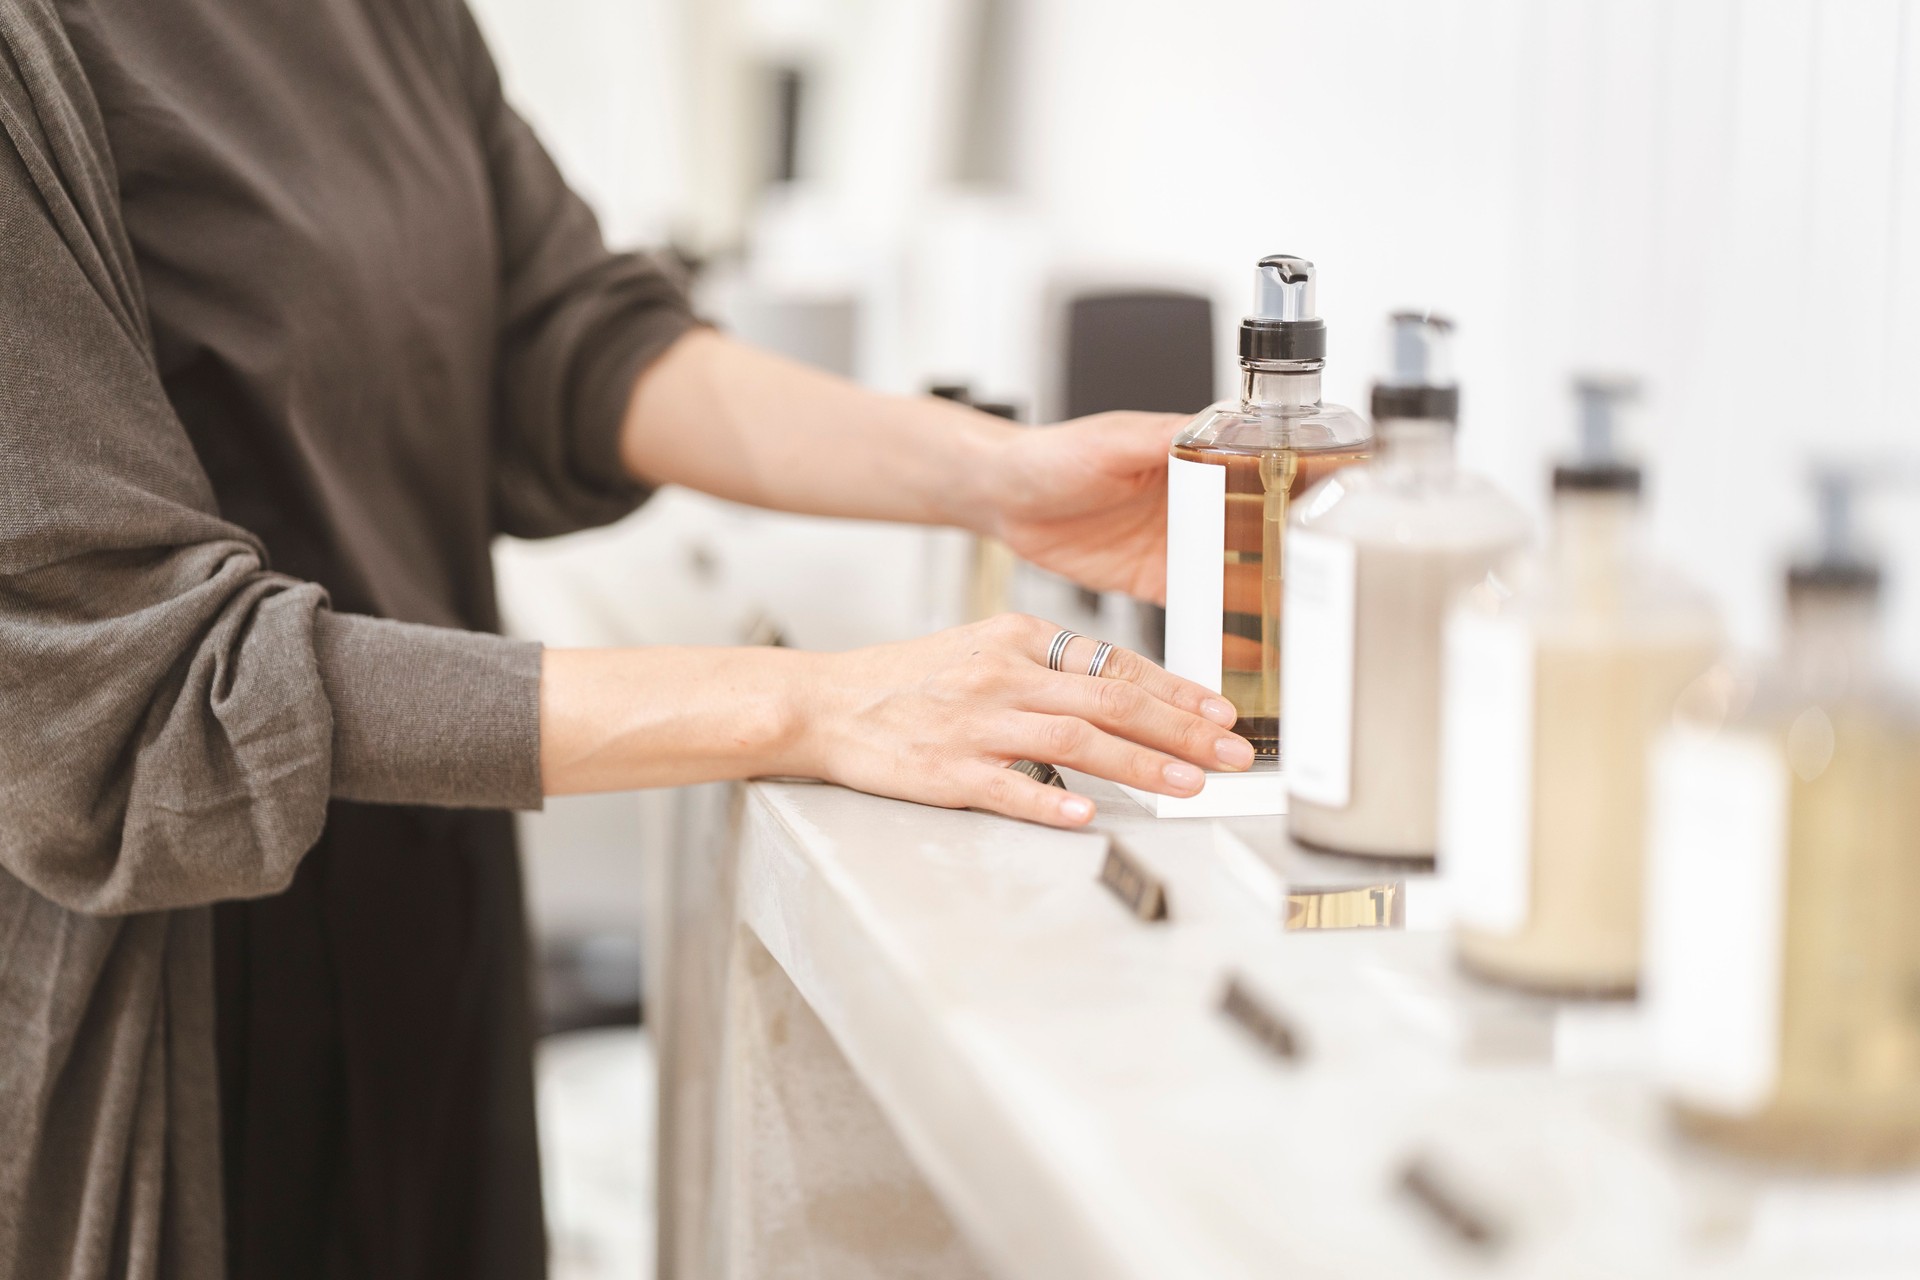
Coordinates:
(1230, 481)
(1555, 686)
(1783, 959)
(1375, 556)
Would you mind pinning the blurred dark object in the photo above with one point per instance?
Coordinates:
(958, 392)
(999, 409)
(789, 99)
(590, 980)
(1149, 349)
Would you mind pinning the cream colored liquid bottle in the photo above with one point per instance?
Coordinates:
(1376, 554)
(1784, 960)
(1555, 686)
(1230, 481)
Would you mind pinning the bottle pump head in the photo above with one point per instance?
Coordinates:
(1283, 326)
(1421, 383)
(1599, 465)
(1839, 563)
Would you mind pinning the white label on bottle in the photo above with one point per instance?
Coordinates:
(1716, 915)
(1486, 771)
(1316, 667)
(1196, 569)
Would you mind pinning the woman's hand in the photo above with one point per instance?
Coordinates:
(938, 720)
(1088, 499)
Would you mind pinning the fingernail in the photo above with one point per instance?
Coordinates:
(1183, 777)
(1220, 711)
(1076, 808)
(1235, 753)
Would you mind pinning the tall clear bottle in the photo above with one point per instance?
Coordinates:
(1230, 481)
(1554, 690)
(1375, 555)
(1783, 966)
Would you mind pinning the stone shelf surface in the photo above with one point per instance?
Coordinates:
(1064, 1078)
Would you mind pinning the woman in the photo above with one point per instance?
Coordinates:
(297, 316)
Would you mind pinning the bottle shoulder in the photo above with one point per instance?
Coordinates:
(1233, 427)
(1634, 603)
(1383, 504)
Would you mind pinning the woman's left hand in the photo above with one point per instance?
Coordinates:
(1088, 499)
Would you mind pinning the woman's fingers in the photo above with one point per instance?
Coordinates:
(1130, 711)
(1073, 742)
(1128, 666)
(1007, 791)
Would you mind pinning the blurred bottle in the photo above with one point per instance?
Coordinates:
(1783, 964)
(1230, 480)
(1375, 556)
(1553, 692)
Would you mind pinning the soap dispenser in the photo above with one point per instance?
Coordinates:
(1375, 555)
(1555, 683)
(1231, 479)
(1783, 960)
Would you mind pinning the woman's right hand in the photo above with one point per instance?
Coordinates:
(939, 719)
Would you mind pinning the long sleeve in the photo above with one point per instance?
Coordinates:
(579, 323)
(174, 716)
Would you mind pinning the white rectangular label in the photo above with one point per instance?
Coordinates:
(1486, 771)
(1716, 915)
(1196, 569)
(1316, 667)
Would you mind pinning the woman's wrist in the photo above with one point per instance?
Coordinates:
(970, 473)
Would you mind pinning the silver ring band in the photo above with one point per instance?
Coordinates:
(1100, 657)
(1057, 651)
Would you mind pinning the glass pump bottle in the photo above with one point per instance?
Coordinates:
(1375, 555)
(1231, 478)
(1783, 963)
(1554, 690)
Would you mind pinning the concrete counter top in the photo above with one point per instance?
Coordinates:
(952, 1051)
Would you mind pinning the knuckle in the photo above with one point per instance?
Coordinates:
(1117, 701)
(1000, 790)
(1064, 736)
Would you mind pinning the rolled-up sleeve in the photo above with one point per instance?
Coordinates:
(579, 324)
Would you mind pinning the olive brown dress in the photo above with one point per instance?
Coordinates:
(295, 316)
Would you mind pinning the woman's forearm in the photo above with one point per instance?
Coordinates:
(722, 417)
(615, 719)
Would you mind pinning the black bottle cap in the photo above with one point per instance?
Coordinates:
(1283, 325)
(1439, 403)
(1597, 477)
(959, 392)
(1836, 577)
(1011, 412)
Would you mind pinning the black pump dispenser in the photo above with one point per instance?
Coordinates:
(1599, 466)
(1839, 563)
(1283, 326)
(1421, 384)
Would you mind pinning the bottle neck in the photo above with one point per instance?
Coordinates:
(1595, 538)
(1287, 386)
(1419, 446)
(1833, 639)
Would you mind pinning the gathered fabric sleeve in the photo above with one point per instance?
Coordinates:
(578, 325)
(174, 716)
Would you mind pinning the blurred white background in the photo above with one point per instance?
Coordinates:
(1719, 196)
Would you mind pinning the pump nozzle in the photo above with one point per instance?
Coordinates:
(1839, 562)
(1421, 383)
(1599, 463)
(1283, 326)
(1283, 288)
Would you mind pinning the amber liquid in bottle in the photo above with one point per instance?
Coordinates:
(1260, 488)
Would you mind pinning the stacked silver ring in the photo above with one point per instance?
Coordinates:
(1100, 657)
(1057, 651)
